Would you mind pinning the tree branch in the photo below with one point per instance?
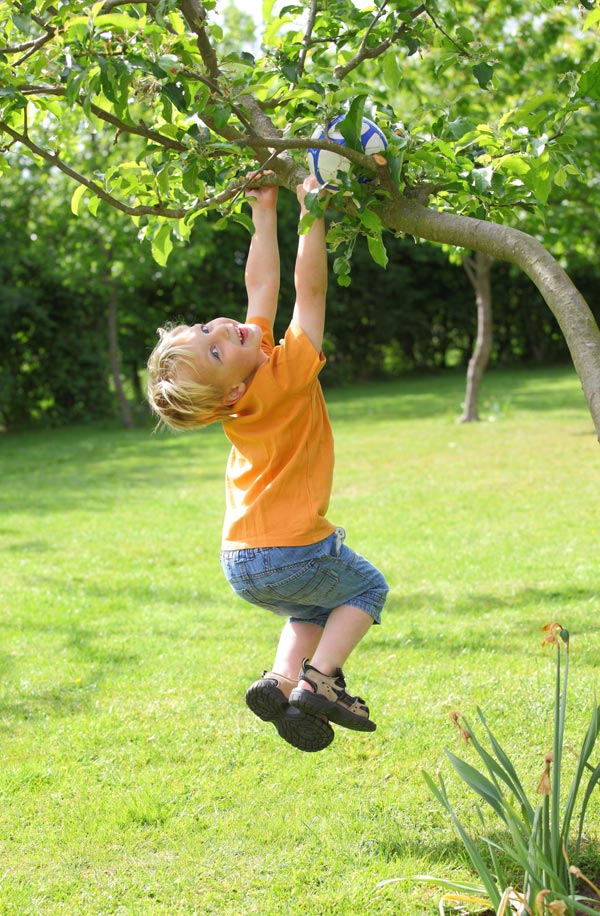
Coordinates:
(195, 16)
(306, 39)
(563, 299)
(102, 114)
(365, 53)
(143, 210)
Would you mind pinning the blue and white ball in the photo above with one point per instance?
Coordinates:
(325, 165)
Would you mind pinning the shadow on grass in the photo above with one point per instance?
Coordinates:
(475, 611)
(86, 467)
(63, 698)
(425, 396)
(75, 467)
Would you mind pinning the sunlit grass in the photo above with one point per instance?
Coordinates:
(135, 781)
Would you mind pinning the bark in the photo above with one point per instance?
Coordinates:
(570, 309)
(113, 345)
(479, 272)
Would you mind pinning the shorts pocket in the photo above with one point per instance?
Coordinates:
(309, 582)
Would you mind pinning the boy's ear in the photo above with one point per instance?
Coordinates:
(232, 395)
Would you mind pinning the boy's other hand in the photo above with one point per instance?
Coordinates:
(310, 183)
(265, 196)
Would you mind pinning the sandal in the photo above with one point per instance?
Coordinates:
(330, 699)
(267, 701)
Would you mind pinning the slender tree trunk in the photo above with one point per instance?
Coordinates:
(135, 382)
(113, 339)
(113, 348)
(479, 272)
(570, 309)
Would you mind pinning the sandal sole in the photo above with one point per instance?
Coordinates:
(303, 731)
(315, 705)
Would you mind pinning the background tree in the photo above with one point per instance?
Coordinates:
(157, 73)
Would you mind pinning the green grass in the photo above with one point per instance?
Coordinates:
(133, 778)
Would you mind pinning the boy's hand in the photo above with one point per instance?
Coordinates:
(310, 183)
(265, 197)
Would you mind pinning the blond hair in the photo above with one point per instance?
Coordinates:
(180, 399)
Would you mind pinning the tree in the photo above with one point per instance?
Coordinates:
(478, 268)
(155, 72)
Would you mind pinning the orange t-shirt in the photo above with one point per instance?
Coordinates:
(280, 467)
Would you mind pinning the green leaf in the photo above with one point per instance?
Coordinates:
(176, 95)
(539, 180)
(119, 22)
(377, 250)
(162, 246)
(189, 177)
(513, 165)
(244, 220)
(392, 75)
(592, 18)
(370, 220)
(460, 127)
(479, 783)
(76, 199)
(589, 82)
(478, 863)
(351, 126)
(482, 179)
(221, 116)
(560, 178)
(483, 73)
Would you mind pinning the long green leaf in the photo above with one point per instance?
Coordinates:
(478, 782)
(509, 776)
(589, 743)
(593, 781)
(476, 860)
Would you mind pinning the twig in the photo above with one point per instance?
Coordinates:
(307, 37)
(445, 34)
(370, 53)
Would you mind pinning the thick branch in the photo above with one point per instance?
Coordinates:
(565, 302)
(195, 16)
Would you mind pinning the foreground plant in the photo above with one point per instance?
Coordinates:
(542, 840)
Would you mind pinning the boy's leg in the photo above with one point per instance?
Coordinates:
(298, 640)
(343, 631)
(321, 687)
(268, 697)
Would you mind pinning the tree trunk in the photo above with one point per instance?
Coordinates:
(113, 348)
(135, 382)
(479, 272)
(570, 309)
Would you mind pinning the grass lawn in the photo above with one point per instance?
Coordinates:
(133, 778)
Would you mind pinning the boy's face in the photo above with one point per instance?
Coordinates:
(226, 354)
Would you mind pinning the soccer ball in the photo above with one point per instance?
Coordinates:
(325, 165)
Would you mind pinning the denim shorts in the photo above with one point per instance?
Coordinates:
(306, 583)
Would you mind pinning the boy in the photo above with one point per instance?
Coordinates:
(279, 550)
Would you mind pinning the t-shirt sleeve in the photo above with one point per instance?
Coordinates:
(295, 363)
(267, 343)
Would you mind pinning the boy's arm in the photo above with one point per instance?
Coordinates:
(310, 275)
(262, 264)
